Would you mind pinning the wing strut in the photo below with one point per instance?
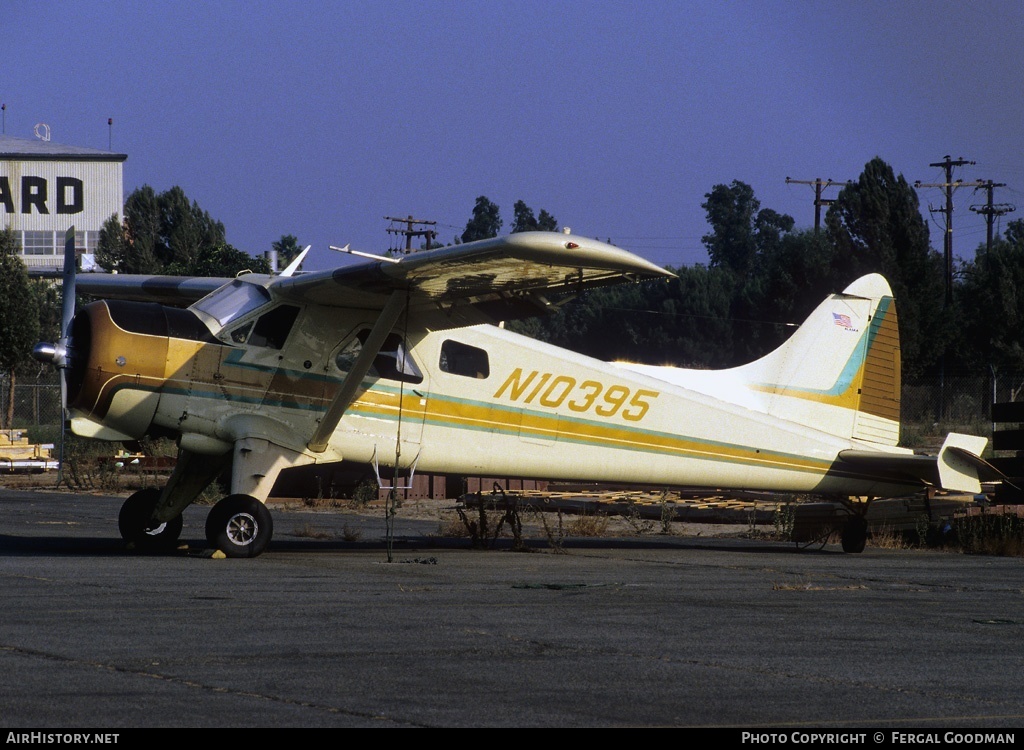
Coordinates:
(371, 348)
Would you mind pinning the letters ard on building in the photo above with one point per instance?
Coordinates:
(46, 187)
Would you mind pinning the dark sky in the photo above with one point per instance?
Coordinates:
(318, 119)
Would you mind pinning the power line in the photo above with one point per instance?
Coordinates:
(409, 232)
(991, 210)
(947, 164)
(819, 185)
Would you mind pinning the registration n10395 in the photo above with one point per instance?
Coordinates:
(551, 390)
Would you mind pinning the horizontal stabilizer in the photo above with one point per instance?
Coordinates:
(958, 467)
(960, 464)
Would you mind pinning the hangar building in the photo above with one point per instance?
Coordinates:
(45, 188)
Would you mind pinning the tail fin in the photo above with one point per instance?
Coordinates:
(840, 372)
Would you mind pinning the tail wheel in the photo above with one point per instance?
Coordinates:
(239, 526)
(136, 526)
(855, 534)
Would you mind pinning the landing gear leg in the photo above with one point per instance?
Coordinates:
(135, 522)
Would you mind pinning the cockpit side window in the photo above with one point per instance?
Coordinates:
(272, 329)
(391, 363)
(463, 359)
(269, 330)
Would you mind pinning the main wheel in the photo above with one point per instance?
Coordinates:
(239, 526)
(136, 527)
(855, 534)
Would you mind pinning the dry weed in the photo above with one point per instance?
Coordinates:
(308, 531)
(588, 525)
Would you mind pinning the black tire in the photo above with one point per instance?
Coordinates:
(855, 534)
(134, 523)
(239, 526)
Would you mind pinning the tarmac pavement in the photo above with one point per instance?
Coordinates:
(336, 627)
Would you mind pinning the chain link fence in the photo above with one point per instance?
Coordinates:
(36, 401)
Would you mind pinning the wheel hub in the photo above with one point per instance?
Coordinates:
(242, 529)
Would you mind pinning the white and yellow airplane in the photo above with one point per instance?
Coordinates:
(399, 363)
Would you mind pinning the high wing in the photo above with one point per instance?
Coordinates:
(478, 282)
(166, 290)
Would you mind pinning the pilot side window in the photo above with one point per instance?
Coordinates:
(463, 359)
(269, 330)
(391, 363)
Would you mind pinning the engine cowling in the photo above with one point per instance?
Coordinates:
(117, 362)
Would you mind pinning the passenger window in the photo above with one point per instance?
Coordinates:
(392, 361)
(465, 360)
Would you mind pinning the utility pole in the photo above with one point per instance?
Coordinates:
(991, 210)
(947, 246)
(410, 232)
(819, 185)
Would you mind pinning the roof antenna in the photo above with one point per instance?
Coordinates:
(42, 131)
(110, 133)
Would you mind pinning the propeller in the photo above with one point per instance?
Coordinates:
(59, 354)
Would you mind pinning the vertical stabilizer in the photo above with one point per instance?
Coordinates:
(840, 372)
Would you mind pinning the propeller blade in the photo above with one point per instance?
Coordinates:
(58, 354)
(68, 293)
(66, 316)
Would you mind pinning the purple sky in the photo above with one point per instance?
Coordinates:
(318, 119)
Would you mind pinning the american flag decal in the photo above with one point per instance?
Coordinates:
(842, 320)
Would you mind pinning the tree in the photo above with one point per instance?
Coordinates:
(115, 253)
(486, 222)
(525, 221)
(186, 231)
(990, 300)
(876, 225)
(19, 314)
(167, 233)
(219, 260)
(287, 249)
(743, 239)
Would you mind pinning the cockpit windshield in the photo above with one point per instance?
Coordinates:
(232, 301)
